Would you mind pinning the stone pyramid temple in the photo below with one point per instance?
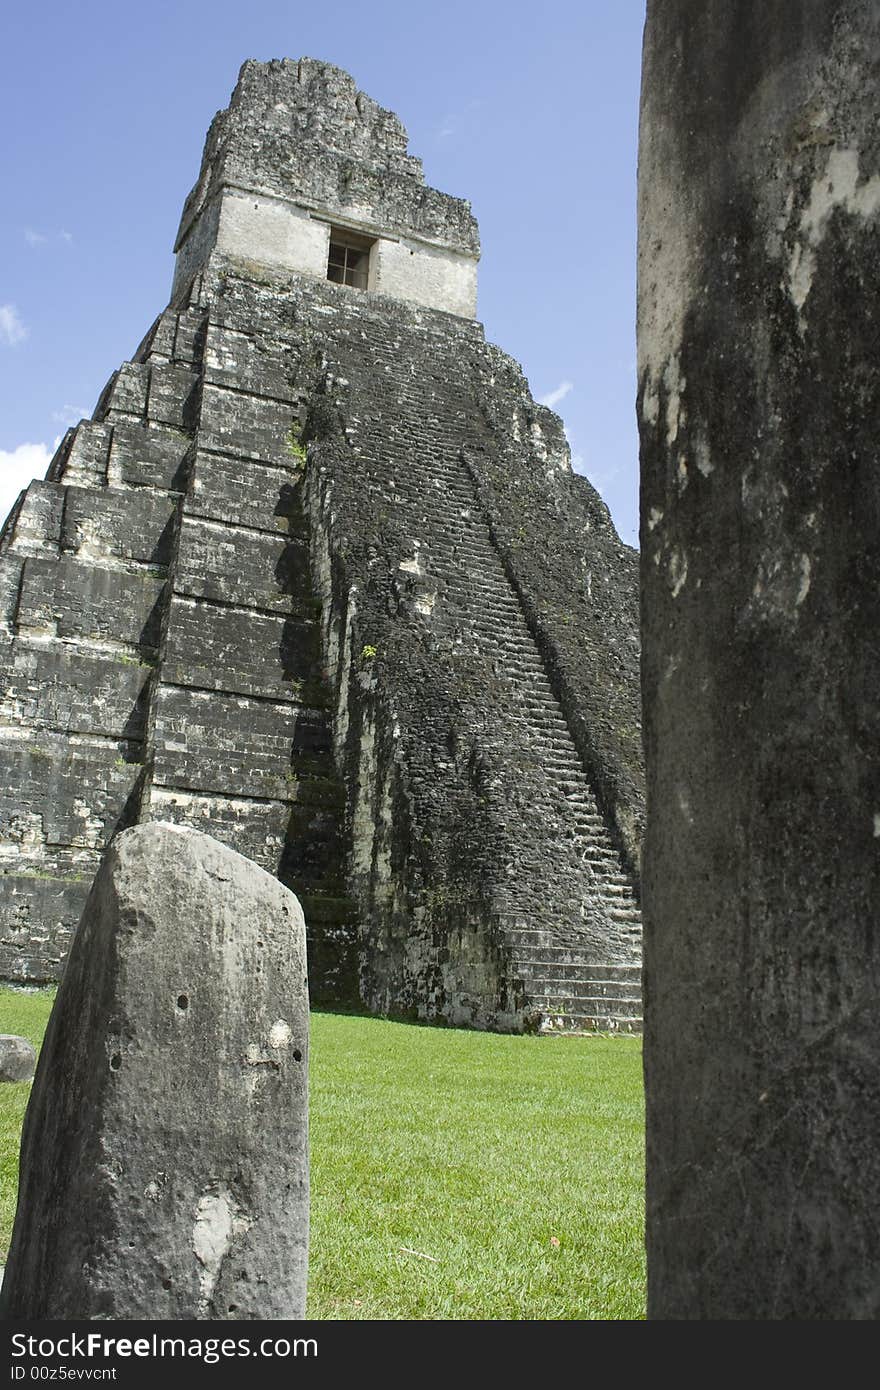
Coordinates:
(317, 578)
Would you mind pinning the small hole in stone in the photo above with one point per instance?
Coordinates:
(115, 1062)
(183, 1001)
(297, 1055)
(166, 1283)
(233, 1308)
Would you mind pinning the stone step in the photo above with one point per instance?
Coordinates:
(530, 673)
(590, 1023)
(500, 604)
(470, 544)
(495, 632)
(580, 986)
(576, 981)
(517, 654)
(527, 953)
(616, 890)
(578, 1004)
(602, 869)
(621, 891)
(602, 855)
(571, 947)
(496, 598)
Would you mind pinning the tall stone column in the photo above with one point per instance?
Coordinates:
(759, 404)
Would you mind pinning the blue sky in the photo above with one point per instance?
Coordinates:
(530, 111)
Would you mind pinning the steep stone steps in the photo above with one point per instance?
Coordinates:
(606, 998)
(408, 438)
(470, 572)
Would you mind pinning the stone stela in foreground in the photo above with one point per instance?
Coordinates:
(164, 1159)
(317, 578)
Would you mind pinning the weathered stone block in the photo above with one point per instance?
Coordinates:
(47, 685)
(125, 394)
(164, 1168)
(10, 582)
(249, 568)
(62, 789)
(172, 400)
(237, 746)
(39, 910)
(255, 828)
(219, 648)
(147, 456)
(85, 457)
(72, 598)
(158, 342)
(17, 1058)
(259, 496)
(38, 523)
(119, 526)
(189, 336)
(250, 362)
(232, 422)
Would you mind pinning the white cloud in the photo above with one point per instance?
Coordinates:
(553, 398)
(70, 415)
(35, 238)
(12, 330)
(455, 122)
(17, 468)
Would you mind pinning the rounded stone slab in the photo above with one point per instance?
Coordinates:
(165, 1149)
(17, 1058)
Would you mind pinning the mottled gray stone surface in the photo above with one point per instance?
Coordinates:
(17, 1058)
(759, 398)
(164, 1167)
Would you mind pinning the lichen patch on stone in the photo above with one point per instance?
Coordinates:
(218, 1220)
(280, 1033)
(836, 186)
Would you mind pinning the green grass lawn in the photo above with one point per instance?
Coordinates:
(454, 1175)
(27, 1016)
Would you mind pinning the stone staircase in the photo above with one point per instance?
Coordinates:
(568, 993)
(582, 972)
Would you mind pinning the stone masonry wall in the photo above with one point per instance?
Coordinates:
(162, 659)
(300, 148)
